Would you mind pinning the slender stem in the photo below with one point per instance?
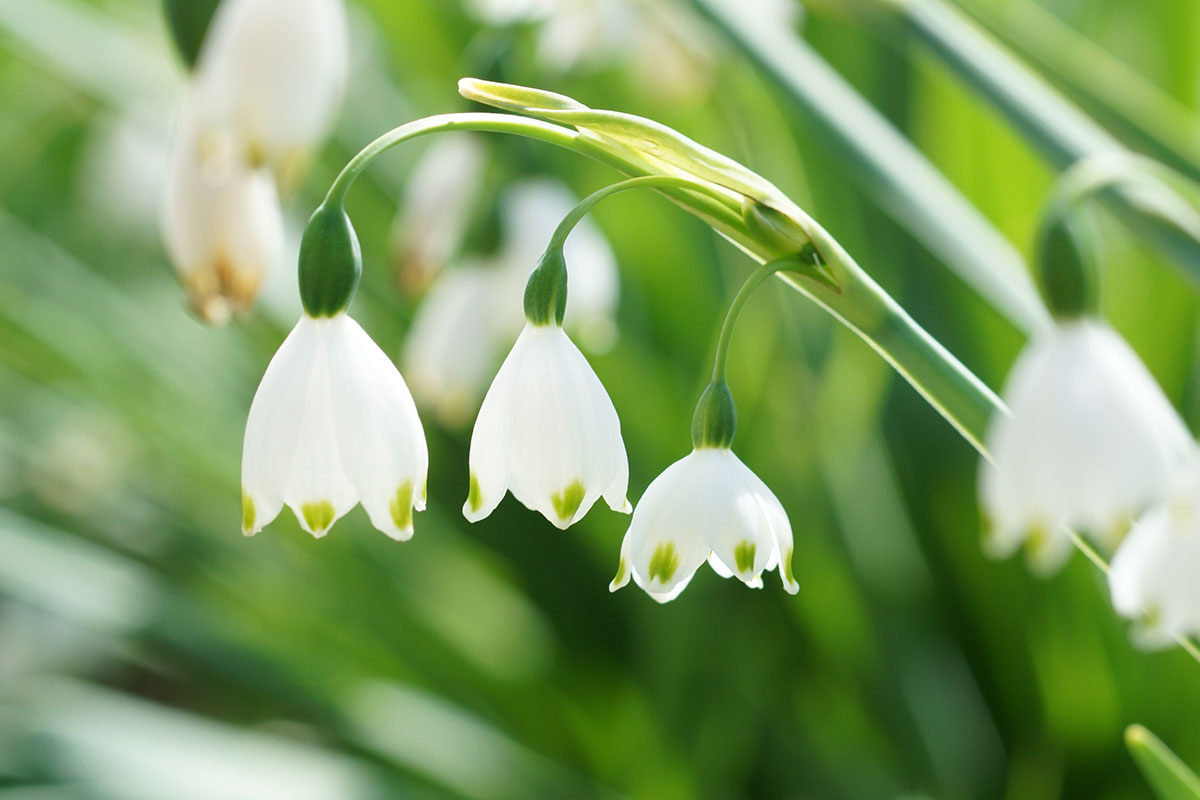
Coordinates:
(559, 238)
(747, 288)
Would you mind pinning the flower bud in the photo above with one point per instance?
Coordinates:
(330, 262)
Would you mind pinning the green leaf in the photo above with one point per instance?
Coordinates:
(1167, 775)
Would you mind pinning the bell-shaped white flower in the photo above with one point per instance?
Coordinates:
(221, 222)
(707, 506)
(547, 432)
(333, 424)
(273, 72)
(1153, 576)
(1090, 442)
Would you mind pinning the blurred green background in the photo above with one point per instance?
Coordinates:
(147, 650)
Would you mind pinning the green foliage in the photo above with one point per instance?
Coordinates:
(1167, 775)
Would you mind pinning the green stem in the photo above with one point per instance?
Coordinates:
(747, 288)
(581, 210)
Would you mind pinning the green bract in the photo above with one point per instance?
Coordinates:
(330, 262)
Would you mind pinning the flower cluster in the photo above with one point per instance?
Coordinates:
(266, 87)
(1091, 447)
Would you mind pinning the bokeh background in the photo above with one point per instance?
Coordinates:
(148, 650)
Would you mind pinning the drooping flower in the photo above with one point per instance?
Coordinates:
(221, 223)
(706, 506)
(272, 74)
(547, 432)
(1152, 577)
(333, 424)
(473, 309)
(1091, 441)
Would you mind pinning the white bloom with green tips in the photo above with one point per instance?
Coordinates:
(1153, 574)
(332, 425)
(1091, 441)
(547, 432)
(707, 506)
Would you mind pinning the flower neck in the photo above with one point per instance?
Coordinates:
(715, 420)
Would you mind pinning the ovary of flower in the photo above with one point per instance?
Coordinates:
(1090, 442)
(451, 347)
(333, 424)
(273, 73)
(221, 222)
(706, 506)
(547, 432)
(1152, 577)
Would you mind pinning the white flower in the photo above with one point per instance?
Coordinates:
(547, 432)
(435, 212)
(1091, 441)
(333, 424)
(272, 73)
(450, 350)
(706, 506)
(1153, 576)
(221, 223)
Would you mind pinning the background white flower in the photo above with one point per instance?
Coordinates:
(333, 424)
(1091, 441)
(221, 223)
(1155, 575)
(706, 506)
(273, 73)
(547, 432)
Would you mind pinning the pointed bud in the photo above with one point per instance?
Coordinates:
(330, 262)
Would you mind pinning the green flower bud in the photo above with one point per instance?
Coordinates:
(188, 21)
(546, 291)
(715, 419)
(330, 262)
(774, 228)
(1066, 268)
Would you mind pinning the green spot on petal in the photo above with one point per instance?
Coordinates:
(567, 502)
(424, 490)
(318, 515)
(786, 566)
(744, 554)
(622, 571)
(664, 562)
(474, 498)
(247, 512)
(401, 506)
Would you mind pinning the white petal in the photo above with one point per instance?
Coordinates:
(317, 488)
(276, 70)
(492, 437)
(668, 533)
(778, 529)
(272, 425)
(381, 441)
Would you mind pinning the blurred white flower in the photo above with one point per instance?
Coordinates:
(547, 432)
(450, 350)
(272, 74)
(470, 312)
(435, 211)
(221, 223)
(333, 424)
(1153, 576)
(1091, 441)
(706, 506)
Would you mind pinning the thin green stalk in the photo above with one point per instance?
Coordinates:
(747, 288)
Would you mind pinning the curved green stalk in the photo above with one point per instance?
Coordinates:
(744, 291)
